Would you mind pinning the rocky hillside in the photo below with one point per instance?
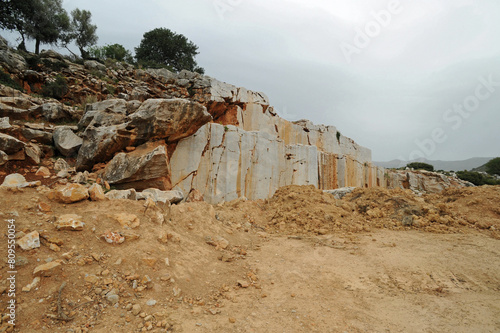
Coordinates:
(136, 129)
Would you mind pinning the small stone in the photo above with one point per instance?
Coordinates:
(63, 174)
(151, 262)
(51, 239)
(43, 172)
(112, 298)
(91, 278)
(243, 283)
(54, 247)
(32, 285)
(127, 220)
(177, 291)
(48, 269)
(112, 237)
(30, 241)
(44, 207)
(129, 307)
(219, 242)
(61, 164)
(151, 302)
(136, 309)
(70, 222)
(96, 193)
(232, 320)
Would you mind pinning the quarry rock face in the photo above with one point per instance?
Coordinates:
(182, 132)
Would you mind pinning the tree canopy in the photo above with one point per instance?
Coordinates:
(82, 30)
(420, 166)
(493, 166)
(44, 21)
(114, 51)
(162, 46)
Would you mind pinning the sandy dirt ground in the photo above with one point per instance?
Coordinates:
(302, 261)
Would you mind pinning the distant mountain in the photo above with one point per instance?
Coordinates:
(468, 164)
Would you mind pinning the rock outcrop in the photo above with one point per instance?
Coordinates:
(142, 129)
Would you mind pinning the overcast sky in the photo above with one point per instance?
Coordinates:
(404, 78)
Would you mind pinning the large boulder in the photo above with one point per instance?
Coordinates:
(17, 180)
(108, 112)
(17, 108)
(38, 135)
(9, 144)
(11, 60)
(55, 111)
(101, 143)
(145, 167)
(169, 119)
(109, 131)
(70, 193)
(66, 142)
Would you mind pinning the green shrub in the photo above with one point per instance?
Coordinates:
(338, 136)
(6, 80)
(57, 88)
(55, 66)
(493, 166)
(477, 178)
(34, 62)
(420, 166)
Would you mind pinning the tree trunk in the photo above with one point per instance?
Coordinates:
(37, 46)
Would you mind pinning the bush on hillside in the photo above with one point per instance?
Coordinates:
(420, 166)
(477, 178)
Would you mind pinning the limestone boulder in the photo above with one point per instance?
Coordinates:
(94, 65)
(339, 193)
(70, 193)
(169, 119)
(122, 194)
(17, 180)
(108, 112)
(171, 197)
(18, 107)
(9, 144)
(101, 143)
(37, 135)
(142, 168)
(66, 141)
(11, 60)
(55, 111)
